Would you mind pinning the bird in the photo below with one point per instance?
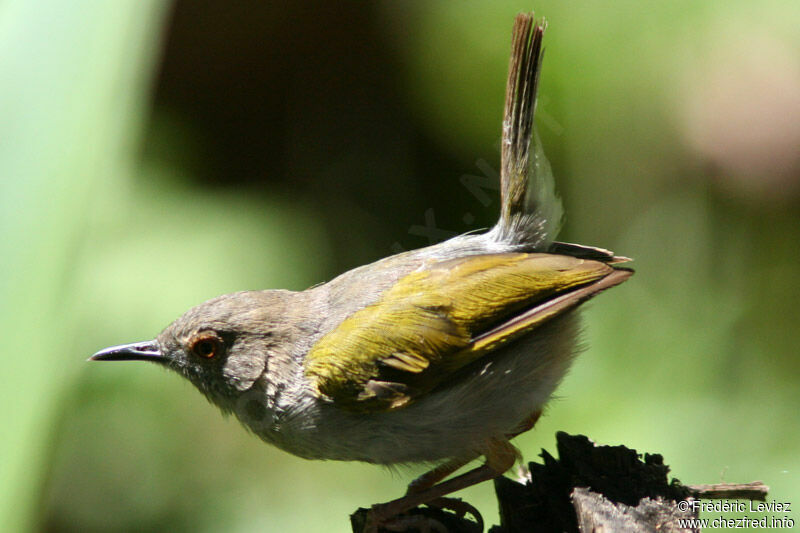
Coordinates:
(439, 355)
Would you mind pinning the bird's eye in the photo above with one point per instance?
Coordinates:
(206, 345)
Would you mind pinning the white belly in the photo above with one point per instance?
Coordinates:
(456, 420)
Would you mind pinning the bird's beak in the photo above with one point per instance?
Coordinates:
(138, 351)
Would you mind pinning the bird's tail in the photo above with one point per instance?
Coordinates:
(530, 213)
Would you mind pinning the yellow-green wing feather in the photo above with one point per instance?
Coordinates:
(436, 320)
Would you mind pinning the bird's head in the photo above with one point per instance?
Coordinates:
(223, 346)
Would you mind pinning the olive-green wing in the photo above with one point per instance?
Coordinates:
(439, 319)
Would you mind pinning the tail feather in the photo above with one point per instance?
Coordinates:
(530, 212)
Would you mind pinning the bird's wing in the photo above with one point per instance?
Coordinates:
(436, 320)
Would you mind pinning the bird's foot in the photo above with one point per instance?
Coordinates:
(459, 507)
(442, 515)
(500, 456)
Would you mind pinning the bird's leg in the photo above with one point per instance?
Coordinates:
(429, 488)
(523, 472)
(525, 425)
(432, 477)
(500, 456)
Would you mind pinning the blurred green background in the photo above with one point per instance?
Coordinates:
(154, 155)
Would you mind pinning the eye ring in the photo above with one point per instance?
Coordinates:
(206, 345)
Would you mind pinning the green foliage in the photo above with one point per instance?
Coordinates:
(71, 102)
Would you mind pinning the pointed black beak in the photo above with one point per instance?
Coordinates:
(138, 351)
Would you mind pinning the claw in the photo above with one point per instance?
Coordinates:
(438, 516)
(457, 506)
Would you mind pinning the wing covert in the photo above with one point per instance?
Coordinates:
(420, 331)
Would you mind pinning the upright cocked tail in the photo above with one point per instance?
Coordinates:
(530, 214)
(530, 211)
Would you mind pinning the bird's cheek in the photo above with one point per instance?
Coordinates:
(242, 370)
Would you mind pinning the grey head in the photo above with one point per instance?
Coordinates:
(223, 346)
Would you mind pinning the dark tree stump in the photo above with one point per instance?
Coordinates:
(608, 488)
(589, 488)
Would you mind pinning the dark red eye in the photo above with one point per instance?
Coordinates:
(206, 345)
